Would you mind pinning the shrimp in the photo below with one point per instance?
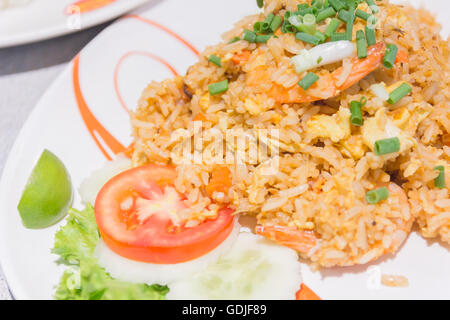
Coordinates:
(328, 85)
(325, 251)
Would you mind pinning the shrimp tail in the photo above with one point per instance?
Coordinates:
(299, 240)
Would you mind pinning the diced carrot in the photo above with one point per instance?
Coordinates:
(128, 152)
(306, 293)
(241, 57)
(220, 181)
(200, 117)
(402, 57)
(446, 139)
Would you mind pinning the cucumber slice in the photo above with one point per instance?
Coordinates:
(253, 269)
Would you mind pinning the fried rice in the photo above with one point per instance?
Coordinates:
(325, 166)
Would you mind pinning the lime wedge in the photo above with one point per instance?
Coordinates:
(47, 195)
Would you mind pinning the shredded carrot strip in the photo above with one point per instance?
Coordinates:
(200, 117)
(306, 293)
(128, 152)
(241, 57)
(402, 57)
(220, 181)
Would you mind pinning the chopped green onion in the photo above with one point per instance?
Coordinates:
(338, 36)
(307, 29)
(322, 37)
(267, 22)
(326, 13)
(332, 27)
(262, 38)
(290, 28)
(387, 146)
(361, 44)
(377, 195)
(260, 3)
(370, 36)
(439, 182)
(362, 14)
(350, 23)
(396, 95)
(319, 60)
(276, 23)
(317, 4)
(308, 80)
(219, 87)
(302, 6)
(249, 36)
(307, 38)
(235, 39)
(295, 21)
(337, 5)
(343, 15)
(306, 11)
(309, 19)
(356, 118)
(373, 6)
(215, 59)
(258, 27)
(390, 56)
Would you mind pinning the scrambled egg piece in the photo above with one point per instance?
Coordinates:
(353, 147)
(335, 127)
(383, 127)
(204, 101)
(253, 107)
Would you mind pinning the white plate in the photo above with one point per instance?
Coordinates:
(134, 51)
(44, 19)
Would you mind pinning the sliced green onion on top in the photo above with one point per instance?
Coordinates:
(276, 23)
(249, 36)
(308, 80)
(356, 117)
(309, 19)
(343, 15)
(390, 56)
(260, 3)
(215, 59)
(218, 88)
(387, 146)
(362, 14)
(290, 28)
(295, 20)
(373, 6)
(326, 13)
(266, 24)
(322, 37)
(439, 182)
(370, 36)
(396, 95)
(350, 23)
(361, 44)
(305, 37)
(332, 27)
(338, 36)
(258, 27)
(235, 39)
(262, 38)
(305, 11)
(337, 4)
(307, 29)
(302, 6)
(377, 195)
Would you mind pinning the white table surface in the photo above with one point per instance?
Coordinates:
(25, 74)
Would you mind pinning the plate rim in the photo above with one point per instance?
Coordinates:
(58, 30)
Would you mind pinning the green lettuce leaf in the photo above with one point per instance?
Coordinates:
(85, 279)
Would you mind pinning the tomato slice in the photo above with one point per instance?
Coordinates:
(136, 213)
